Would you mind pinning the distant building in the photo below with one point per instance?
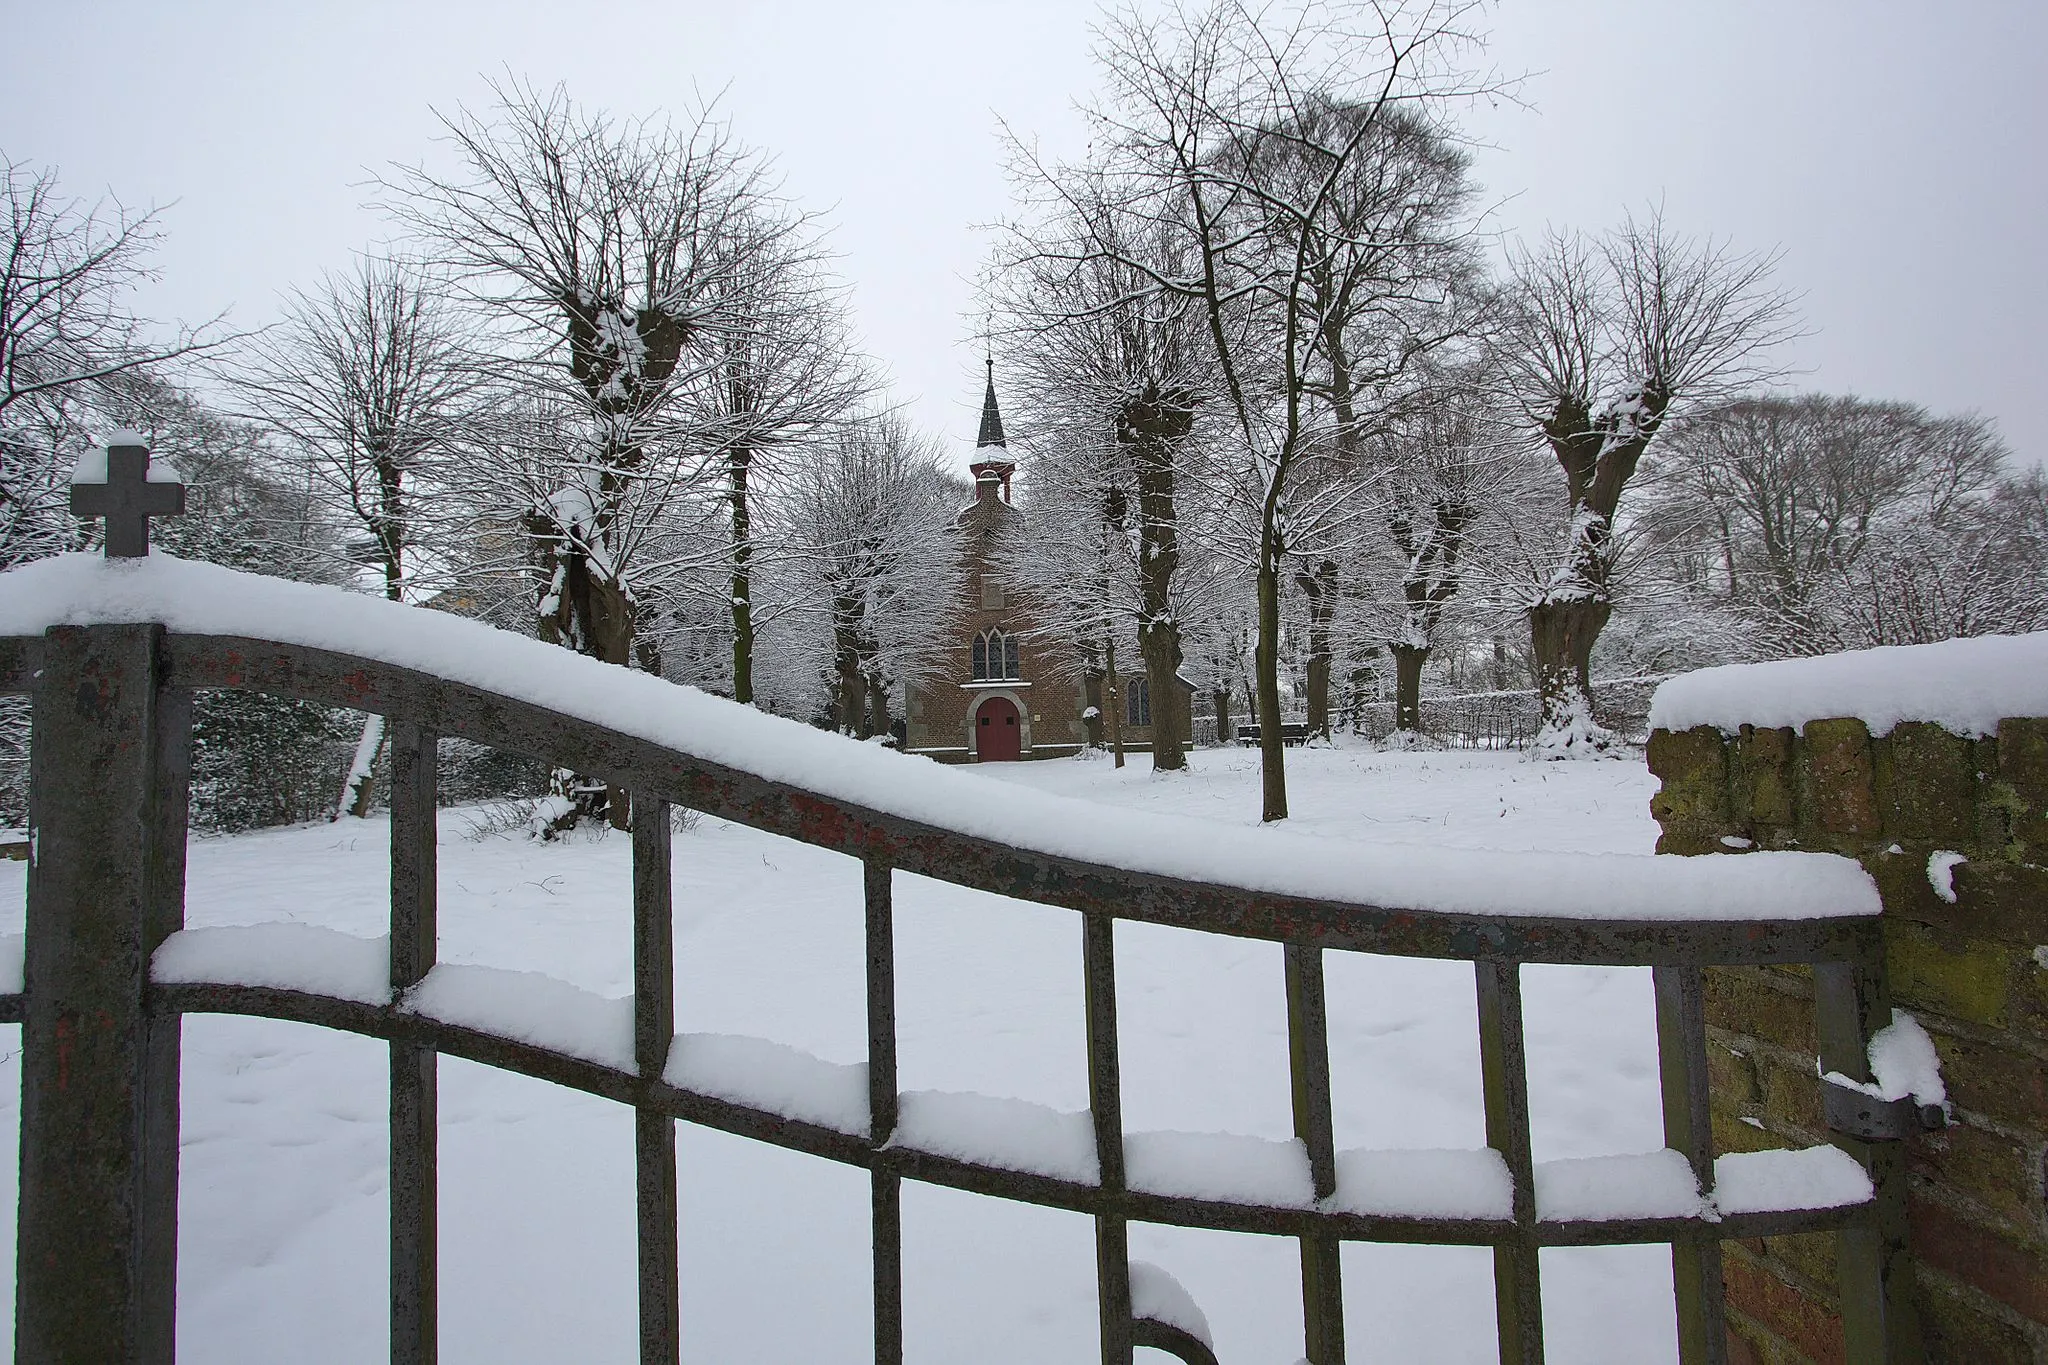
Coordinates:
(1002, 694)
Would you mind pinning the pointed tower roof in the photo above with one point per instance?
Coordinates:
(991, 419)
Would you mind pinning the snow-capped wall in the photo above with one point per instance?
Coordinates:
(1964, 686)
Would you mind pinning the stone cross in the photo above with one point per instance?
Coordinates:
(127, 497)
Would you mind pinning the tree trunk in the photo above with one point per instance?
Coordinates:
(1220, 696)
(1160, 648)
(1091, 700)
(1408, 662)
(1266, 670)
(1598, 460)
(1115, 708)
(850, 709)
(739, 464)
(878, 706)
(1151, 426)
(1319, 586)
(358, 788)
(1561, 636)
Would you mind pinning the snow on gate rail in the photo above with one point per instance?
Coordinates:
(1495, 909)
(196, 598)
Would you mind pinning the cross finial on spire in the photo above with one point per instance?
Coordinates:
(119, 485)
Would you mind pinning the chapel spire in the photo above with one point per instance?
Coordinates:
(991, 419)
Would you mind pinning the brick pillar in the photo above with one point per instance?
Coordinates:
(1974, 972)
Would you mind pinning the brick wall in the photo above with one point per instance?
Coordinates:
(1975, 973)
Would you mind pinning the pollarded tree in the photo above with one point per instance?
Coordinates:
(365, 386)
(605, 252)
(1447, 466)
(1599, 344)
(1214, 128)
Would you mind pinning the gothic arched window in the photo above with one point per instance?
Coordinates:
(1138, 702)
(995, 657)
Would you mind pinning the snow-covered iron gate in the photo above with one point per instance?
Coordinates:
(100, 1106)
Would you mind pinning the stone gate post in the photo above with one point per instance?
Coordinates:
(96, 1258)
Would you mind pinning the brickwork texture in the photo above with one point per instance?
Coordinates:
(1972, 970)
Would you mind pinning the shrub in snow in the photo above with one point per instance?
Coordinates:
(262, 760)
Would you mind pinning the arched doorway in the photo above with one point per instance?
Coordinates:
(998, 735)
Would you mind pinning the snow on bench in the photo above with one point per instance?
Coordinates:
(207, 599)
(1964, 686)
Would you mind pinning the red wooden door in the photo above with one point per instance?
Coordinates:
(998, 737)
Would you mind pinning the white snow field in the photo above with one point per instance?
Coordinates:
(283, 1251)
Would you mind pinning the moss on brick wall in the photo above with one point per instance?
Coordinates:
(1973, 971)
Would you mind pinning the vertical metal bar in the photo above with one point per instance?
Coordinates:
(1105, 1105)
(654, 1134)
(1504, 1069)
(415, 1136)
(98, 849)
(1880, 1322)
(1308, 1057)
(1682, 1074)
(877, 878)
(158, 1253)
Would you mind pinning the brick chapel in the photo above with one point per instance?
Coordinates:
(1003, 694)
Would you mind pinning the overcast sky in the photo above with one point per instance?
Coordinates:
(1891, 151)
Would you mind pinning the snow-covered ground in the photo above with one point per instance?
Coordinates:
(283, 1182)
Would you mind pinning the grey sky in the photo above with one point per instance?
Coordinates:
(1890, 150)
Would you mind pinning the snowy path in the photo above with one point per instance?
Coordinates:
(283, 1165)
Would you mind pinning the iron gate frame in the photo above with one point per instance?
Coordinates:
(110, 779)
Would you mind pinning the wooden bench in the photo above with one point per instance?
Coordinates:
(1292, 734)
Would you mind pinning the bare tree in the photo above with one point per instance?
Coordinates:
(1600, 343)
(608, 251)
(872, 511)
(1836, 523)
(365, 383)
(65, 335)
(1447, 467)
(783, 373)
(1115, 368)
(1235, 127)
